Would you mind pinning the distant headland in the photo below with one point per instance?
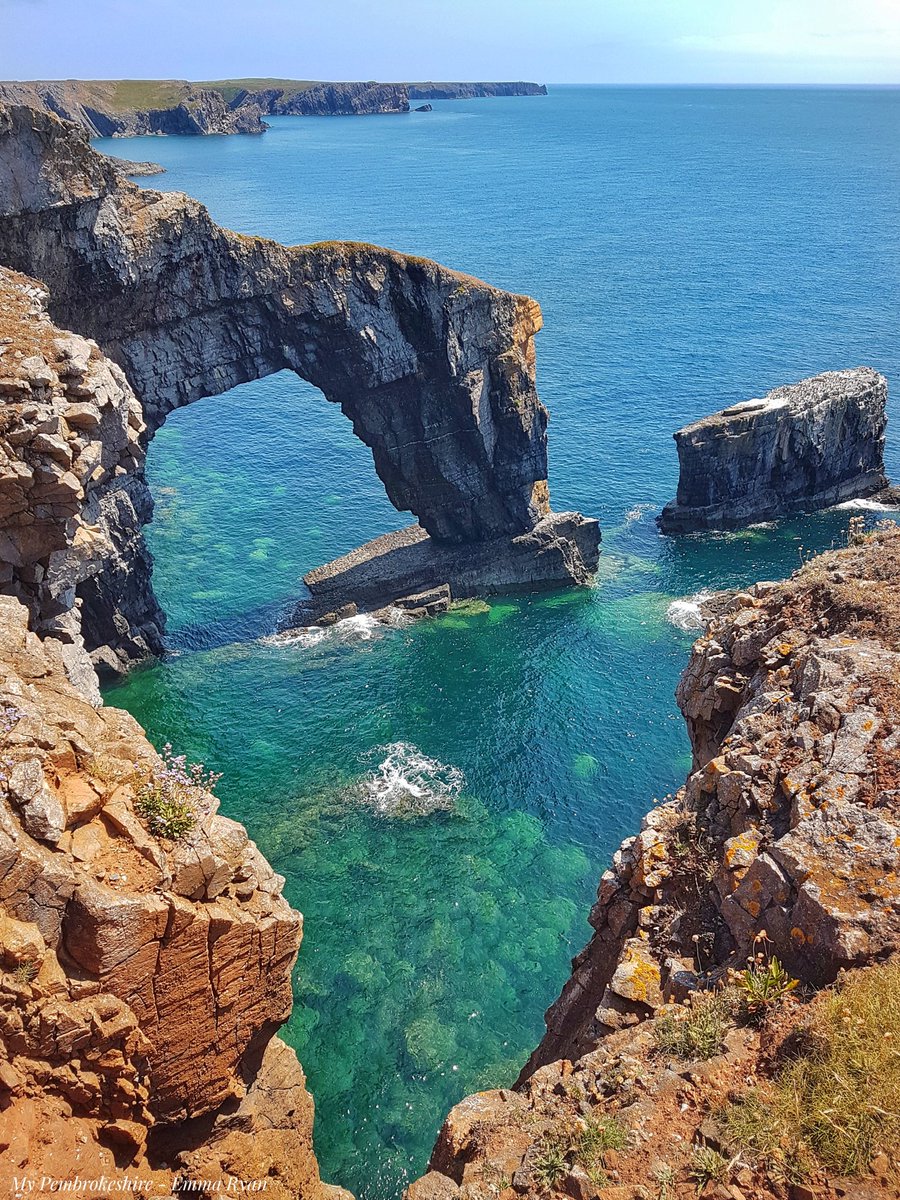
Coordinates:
(132, 107)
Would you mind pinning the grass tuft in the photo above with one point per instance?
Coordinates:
(698, 1030)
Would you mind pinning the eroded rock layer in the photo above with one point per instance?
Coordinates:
(800, 448)
(73, 498)
(435, 369)
(403, 566)
(141, 979)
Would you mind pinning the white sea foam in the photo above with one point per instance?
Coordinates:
(364, 627)
(407, 783)
(687, 614)
(868, 506)
(638, 512)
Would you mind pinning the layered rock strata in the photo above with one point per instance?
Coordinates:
(799, 448)
(788, 825)
(324, 100)
(73, 497)
(435, 369)
(141, 979)
(399, 568)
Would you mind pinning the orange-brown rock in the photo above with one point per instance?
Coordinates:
(142, 979)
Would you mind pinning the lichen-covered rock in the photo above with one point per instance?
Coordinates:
(800, 448)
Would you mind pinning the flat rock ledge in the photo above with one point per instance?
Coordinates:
(800, 448)
(561, 549)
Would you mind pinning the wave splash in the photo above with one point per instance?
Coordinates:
(407, 783)
(364, 627)
(867, 506)
(638, 512)
(687, 614)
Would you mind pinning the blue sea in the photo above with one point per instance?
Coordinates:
(443, 798)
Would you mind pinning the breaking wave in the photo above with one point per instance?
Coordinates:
(407, 783)
(364, 627)
(687, 615)
(868, 506)
(638, 512)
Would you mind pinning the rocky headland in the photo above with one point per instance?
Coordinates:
(135, 107)
(473, 91)
(800, 448)
(782, 851)
(131, 108)
(435, 369)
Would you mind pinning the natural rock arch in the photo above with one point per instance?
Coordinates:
(435, 369)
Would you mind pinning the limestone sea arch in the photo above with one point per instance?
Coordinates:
(435, 369)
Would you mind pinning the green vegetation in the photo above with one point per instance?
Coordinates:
(696, 1031)
(582, 1145)
(764, 983)
(708, 1166)
(26, 972)
(172, 796)
(123, 95)
(550, 1164)
(599, 1135)
(230, 87)
(835, 1102)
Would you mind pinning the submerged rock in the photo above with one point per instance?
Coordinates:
(800, 448)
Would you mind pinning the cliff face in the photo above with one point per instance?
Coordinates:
(142, 978)
(326, 100)
(787, 828)
(470, 91)
(105, 109)
(435, 369)
(72, 493)
(798, 449)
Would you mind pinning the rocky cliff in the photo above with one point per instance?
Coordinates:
(130, 108)
(786, 835)
(135, 107)
(799, 448)
(323, 99)
(436, 370)
(143, 975)
(470, 91)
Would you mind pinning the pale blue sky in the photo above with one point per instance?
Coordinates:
(555, 41)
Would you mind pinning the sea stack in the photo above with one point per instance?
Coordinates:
(800, 448)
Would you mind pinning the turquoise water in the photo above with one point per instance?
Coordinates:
(689, 248)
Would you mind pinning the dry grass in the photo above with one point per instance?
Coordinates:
(855, 588)
(835, 1101)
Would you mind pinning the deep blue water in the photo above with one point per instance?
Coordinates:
(689, 248)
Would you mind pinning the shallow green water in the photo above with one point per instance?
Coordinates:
(689, 249)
